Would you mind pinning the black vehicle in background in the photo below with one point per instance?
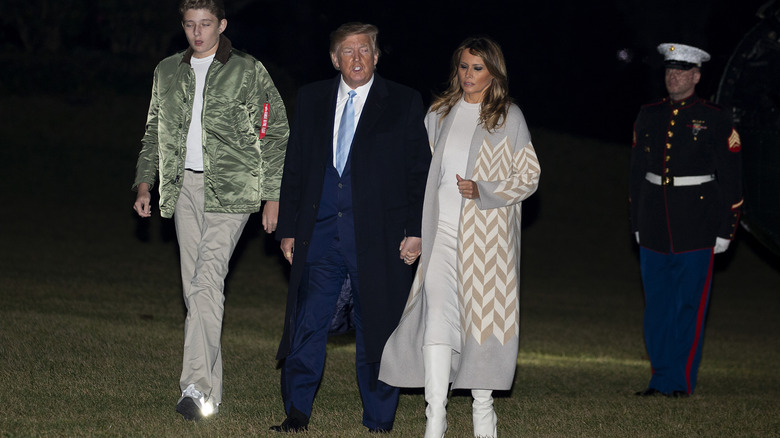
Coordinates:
(750, 86)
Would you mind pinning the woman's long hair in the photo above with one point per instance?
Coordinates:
(496, 100)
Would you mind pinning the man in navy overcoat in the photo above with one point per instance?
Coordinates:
(349, 209)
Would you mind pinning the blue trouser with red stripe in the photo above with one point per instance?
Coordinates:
(677, 291)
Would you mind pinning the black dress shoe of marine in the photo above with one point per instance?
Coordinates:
(649, 392)
(678, 394)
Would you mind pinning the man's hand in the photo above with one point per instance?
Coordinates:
(270, 216)
(143, 201)
(410, 249)
(467, 188)
(288, 247)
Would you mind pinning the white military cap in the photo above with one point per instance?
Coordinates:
(682, 57)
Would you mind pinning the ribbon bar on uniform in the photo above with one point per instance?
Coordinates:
(679, 181)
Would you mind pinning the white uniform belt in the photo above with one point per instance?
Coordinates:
(678, 181)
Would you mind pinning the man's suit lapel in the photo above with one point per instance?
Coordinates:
(325, 119)
(375, 106)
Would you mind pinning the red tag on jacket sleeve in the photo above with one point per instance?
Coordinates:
(264, 124)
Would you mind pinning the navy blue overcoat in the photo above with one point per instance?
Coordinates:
(389, 163)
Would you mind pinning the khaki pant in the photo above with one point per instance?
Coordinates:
(206, 242)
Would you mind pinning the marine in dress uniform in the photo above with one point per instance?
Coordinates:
(686, 196)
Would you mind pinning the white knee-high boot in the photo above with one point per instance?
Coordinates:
(483, 414)
(437, 361)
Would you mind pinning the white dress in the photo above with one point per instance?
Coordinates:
(442, 321)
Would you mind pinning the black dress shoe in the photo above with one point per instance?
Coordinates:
(291, 425)
(649, 392)
(679, 394)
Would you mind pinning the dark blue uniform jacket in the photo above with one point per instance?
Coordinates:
(692, 137)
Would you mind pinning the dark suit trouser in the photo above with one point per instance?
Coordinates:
(677, 292)
(302, 370)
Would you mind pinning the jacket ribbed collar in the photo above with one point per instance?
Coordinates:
(222, 55)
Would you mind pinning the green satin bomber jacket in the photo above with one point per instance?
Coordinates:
(243, 157)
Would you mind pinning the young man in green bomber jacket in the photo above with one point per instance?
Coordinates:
(216, 136)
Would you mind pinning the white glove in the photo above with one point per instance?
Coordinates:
(636, 234)
(721, 245)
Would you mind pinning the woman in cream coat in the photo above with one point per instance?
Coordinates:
(461, 322)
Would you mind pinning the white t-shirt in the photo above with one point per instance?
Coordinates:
(194, 158)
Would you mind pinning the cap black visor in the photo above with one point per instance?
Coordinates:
(679, 65)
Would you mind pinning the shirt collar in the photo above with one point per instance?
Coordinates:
(362, 91)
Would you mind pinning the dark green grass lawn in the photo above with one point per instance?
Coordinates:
(91, 315)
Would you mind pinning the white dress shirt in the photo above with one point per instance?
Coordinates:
(341, 100)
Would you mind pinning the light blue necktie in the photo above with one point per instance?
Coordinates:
(346, 132)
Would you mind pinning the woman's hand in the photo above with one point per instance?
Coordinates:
(467, 188)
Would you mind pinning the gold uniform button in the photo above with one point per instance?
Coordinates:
(668, 158)
(675, 112)
(670, 134)
(668, 145)
(673, 122)
(666, 170)
(666, 181)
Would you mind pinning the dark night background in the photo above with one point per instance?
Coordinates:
(562, 56)
(75, 80)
